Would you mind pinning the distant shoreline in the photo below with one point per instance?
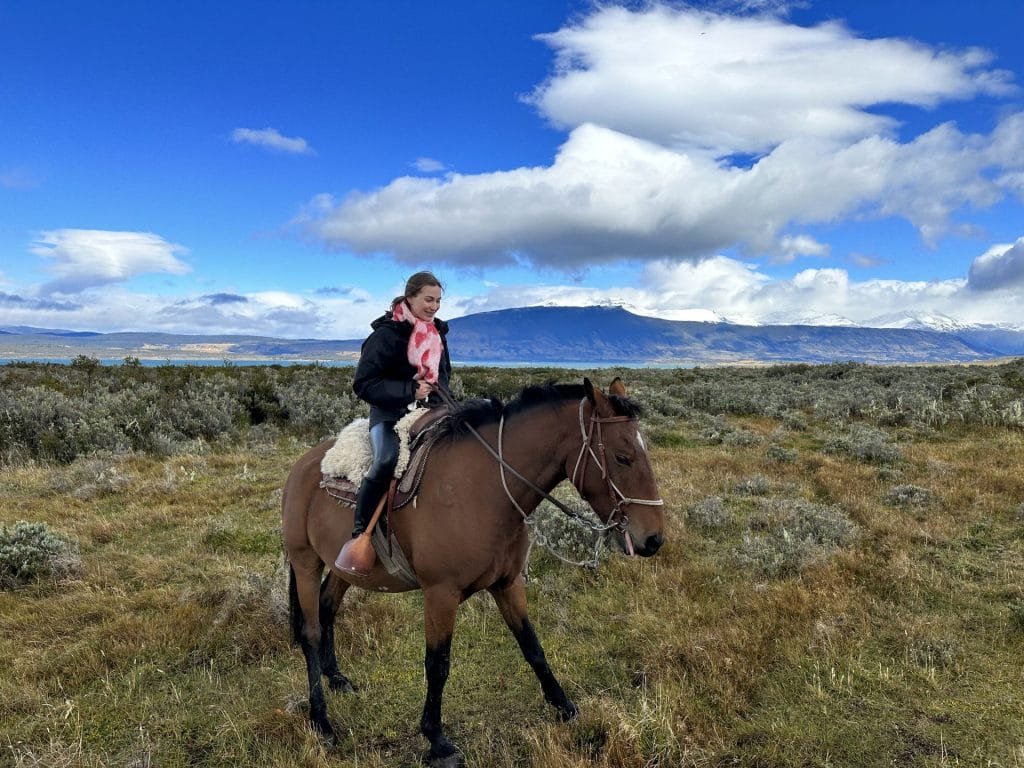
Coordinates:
(227, 361)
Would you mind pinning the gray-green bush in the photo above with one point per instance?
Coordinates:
(31, 551)
(864, 443)
(51, 412)
(788, 535)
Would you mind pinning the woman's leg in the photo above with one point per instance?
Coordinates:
(384, 442)
(357, 557)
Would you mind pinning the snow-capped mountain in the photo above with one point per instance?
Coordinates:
(935, 321)
(807, 318)
(596, 335)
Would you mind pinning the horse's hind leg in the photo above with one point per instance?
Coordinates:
(304, 600)
(332, 592)
(511, 600)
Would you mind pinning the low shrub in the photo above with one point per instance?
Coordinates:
(568, 538)
(940, 653)
(780, 454)
(864, 443)
(908, 495)
(710, 512)
(31, 551)
(742, 438)
(788, 535)
(755, 485)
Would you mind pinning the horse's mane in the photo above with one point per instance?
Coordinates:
(477, 413)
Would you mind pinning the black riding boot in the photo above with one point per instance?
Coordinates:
(371, 491)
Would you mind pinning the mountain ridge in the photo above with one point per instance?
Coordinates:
(598, 335)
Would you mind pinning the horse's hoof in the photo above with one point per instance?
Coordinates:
(340, 684)
(568, 711)
(454, 760)
(445, 755)
(326, 733)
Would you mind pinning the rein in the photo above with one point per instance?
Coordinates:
(617, 520)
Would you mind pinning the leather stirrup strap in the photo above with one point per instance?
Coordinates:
(388, 501)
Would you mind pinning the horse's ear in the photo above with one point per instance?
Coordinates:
(617, 387)
(589, 389)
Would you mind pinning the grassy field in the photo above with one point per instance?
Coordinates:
(840, 587)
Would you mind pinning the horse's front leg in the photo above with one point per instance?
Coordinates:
(439, 607)
(511, 600)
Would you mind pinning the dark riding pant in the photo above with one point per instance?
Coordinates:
(384, 444)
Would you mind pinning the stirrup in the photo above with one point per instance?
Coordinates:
(357, 557)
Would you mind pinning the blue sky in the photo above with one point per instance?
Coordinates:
(279, 168)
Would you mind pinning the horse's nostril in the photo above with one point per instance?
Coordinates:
(654, 542)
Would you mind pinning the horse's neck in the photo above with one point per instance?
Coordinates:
(535, 444)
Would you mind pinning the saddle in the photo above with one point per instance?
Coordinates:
(422, 434)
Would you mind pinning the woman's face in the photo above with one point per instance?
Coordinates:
(425, 304)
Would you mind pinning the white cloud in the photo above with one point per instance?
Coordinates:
(270, 313)
(609, 196)
(690, 79)
(85, 258)
(793, 246)
(725, 288)
(657, 103)
(709, 289)
(429, 165)
(271, 138)
(1000, 267)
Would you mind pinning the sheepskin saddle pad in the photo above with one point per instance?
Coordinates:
(345, 463)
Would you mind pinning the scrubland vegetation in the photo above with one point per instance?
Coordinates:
(843, 583)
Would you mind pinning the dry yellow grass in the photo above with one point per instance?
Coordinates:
(170, 647)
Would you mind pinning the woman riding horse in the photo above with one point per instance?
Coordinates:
(401, 362)
(468, 528)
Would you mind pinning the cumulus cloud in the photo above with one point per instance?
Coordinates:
(658, 104)
(86, 258)
(712, 289)
(722, 288)
(792, 247)
(32, 303)
(609, 196)
(1001, 266)
(691, 79)
(271, 138)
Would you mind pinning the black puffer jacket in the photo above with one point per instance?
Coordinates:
(384, 375)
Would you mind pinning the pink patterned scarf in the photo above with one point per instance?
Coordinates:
(424, 344)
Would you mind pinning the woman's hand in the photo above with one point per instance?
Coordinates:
(423, 389)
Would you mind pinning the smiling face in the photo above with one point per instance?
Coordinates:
(426, 302)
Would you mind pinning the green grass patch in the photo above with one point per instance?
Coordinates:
(810, 606)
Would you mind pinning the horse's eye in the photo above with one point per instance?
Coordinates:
(623, 460)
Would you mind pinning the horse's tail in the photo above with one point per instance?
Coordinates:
(294, 609)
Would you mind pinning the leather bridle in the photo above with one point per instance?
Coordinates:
(617, 520)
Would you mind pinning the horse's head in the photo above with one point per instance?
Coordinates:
(613, 471)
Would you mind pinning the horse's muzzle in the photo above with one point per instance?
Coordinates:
(651, 545)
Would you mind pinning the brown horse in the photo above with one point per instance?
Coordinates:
(467, 532)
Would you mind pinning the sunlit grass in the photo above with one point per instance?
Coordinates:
(901, 645)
